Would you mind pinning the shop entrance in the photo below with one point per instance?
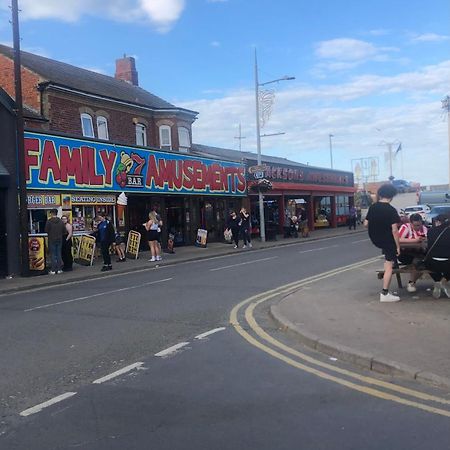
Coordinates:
(3, 248)
(175, 216)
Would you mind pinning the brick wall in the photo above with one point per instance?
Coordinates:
(30, 80)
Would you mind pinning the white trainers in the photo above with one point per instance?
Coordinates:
(159, 258)
(51, 272)
(244, 246)
(389, 298)
(445, 288)
(411, 287)
(437, 289)
(250, 245)
(235, 246)
(152, 259)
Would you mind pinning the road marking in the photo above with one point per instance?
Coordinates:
(257, 299)
(99, 294)
(243, 264)
(317, 249)
(208, 333)
(41, 406)
(118, 373)
(361, 240)
(170, 350)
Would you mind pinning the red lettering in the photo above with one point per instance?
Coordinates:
(188, 174)
(241, 180)
(108, 160)
(140, 162)
(199, 178)
(152, 172)
(49, 163)
(70, 164)
(214, 178)
(166, 169)
(31, 156)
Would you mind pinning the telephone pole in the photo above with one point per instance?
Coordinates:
(240, 137)
(446, 107)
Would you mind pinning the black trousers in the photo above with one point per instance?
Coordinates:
(105, 253)
(235, 232)
(245, 233)
(66, 254)
(438, 269)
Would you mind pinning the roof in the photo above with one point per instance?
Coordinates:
(66, 75)
(236, 155)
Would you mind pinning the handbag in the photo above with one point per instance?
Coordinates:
(228, 235)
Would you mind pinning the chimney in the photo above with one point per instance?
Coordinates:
(126, 70)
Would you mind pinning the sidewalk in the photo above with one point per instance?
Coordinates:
(343, 317)
(182, 254)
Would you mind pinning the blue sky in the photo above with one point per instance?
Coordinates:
(367, 72)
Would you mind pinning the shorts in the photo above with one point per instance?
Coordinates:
(406, 258)
(390, 254)
(153, 235)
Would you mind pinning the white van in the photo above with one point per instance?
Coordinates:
(434, 197)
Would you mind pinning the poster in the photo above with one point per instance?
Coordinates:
(36, 253)
(133, 242)
(86, 250)
(202, 236)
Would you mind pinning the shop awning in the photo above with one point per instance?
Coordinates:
(4, 176)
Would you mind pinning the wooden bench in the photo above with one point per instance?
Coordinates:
(399, 270)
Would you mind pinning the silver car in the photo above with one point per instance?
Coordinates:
(435, 211)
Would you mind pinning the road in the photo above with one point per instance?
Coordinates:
(190, 380)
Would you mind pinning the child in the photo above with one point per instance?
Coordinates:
(382, 220)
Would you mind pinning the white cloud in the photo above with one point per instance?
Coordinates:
(308, 113)
(344, 49)
(215, 44)
(430, 37)
(162, 13)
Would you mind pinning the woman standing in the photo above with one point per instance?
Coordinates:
(66, 251)
(152, 225)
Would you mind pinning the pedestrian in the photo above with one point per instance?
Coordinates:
(55, 228)
(105, 236)
(245, 228)
(119, 247)
(352, 218)
(66, 252)
(437, 259)
(152, 225)
(414, 232)
(233, 225)
(382, 220)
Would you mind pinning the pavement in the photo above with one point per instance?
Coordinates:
(340, 316)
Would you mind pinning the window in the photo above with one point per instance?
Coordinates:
(164, 137)
(141, 134)
(102, 128)
(184, 139)
(86, 125)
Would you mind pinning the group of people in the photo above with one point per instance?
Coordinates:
(60, 233)
(383, 221)
(239, 225)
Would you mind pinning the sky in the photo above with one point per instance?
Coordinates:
(369, 73)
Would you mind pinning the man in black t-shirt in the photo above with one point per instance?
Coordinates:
(382, 220)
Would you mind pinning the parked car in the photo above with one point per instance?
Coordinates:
(435, 211)
(403, 186)
(423, 210)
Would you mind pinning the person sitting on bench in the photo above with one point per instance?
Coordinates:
(413, 232)
(437, 260)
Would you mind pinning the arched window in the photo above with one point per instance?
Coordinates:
(102, 128)
(86, 125)
(184, 139)
(165, 140)
(141, 134)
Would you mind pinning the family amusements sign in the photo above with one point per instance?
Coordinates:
(55, 162)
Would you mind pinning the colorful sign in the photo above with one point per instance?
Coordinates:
(36, 253)
(54, 162)
(133, 242)
(202, 237)
(43, 201)
(86, 250)
(302, 174)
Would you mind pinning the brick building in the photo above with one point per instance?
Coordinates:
(85, 130)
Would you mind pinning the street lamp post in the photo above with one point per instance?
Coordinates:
(446, 107)
(262, 225)
(331, 149)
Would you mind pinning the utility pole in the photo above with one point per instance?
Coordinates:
(331, 149)
(240, 137)
(446, 106)
(23, 213)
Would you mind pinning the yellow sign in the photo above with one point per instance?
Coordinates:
(36, 253)
(133, 242)
(86, 250)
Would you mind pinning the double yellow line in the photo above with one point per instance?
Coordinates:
(360, 383)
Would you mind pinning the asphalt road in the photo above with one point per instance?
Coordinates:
(215, 391)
